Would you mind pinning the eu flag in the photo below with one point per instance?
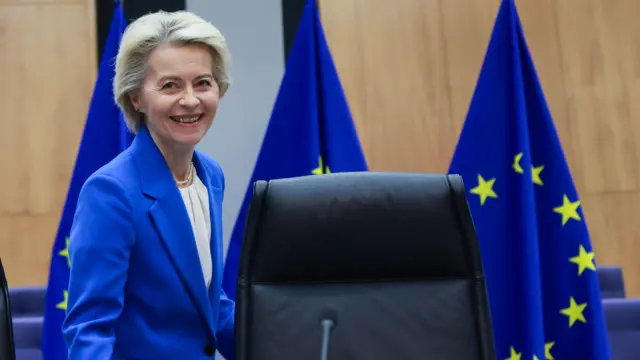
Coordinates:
(105, 136)
(541, 274)
(310, 130)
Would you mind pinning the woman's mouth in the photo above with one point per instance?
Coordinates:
(186, 119)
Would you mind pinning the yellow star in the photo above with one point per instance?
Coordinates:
(547, 350)
(516, 164)
(484, 189)
(321, 169)
(535, 174)
(63, 304)
(65, 252)
(535, 357)
(584, 260)
(568, 210)
(514, 355)
(574, 312)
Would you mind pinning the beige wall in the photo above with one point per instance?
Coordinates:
(47, 67)
(409, 69)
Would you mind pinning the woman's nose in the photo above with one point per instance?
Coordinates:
(189, 99)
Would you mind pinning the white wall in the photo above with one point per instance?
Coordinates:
(253, 29)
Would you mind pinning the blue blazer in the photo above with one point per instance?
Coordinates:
(136, 289)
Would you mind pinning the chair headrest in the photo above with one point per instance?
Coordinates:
(359, 226)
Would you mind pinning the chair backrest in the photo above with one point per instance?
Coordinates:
(623, 327)
(7, 349)
(28, 337)
(392, 257)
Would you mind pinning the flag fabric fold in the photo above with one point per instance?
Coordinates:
(539, 263)
(105, 135)
(310, 130)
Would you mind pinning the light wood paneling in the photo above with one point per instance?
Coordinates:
(47, 61)
(409, 69)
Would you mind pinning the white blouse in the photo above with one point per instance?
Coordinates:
(196, 199)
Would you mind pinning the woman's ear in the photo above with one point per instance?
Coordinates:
(134, 97)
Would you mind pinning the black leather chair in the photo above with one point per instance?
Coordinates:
(7, 347)
(391, 257)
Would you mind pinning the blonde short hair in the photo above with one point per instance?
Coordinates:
(152, 30)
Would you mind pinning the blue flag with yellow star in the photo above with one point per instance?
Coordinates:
(539, 263)
(310, 130)
(104, 136)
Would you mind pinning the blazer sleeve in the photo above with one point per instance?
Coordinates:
(100, 244)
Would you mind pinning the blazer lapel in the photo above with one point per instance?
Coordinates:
(171, 220)
(215, 198)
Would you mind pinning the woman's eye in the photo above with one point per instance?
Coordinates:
(168, 86)
(204, 83)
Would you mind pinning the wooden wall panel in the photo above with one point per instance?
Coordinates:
(47, 62)
(409, 69)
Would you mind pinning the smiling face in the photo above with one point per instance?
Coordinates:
(179, 96)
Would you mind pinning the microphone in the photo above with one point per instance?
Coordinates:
(328, 320)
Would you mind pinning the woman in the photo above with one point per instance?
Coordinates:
(146, 241)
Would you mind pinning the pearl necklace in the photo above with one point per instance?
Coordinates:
(189, 176)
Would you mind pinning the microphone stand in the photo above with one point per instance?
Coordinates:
(327, 324)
